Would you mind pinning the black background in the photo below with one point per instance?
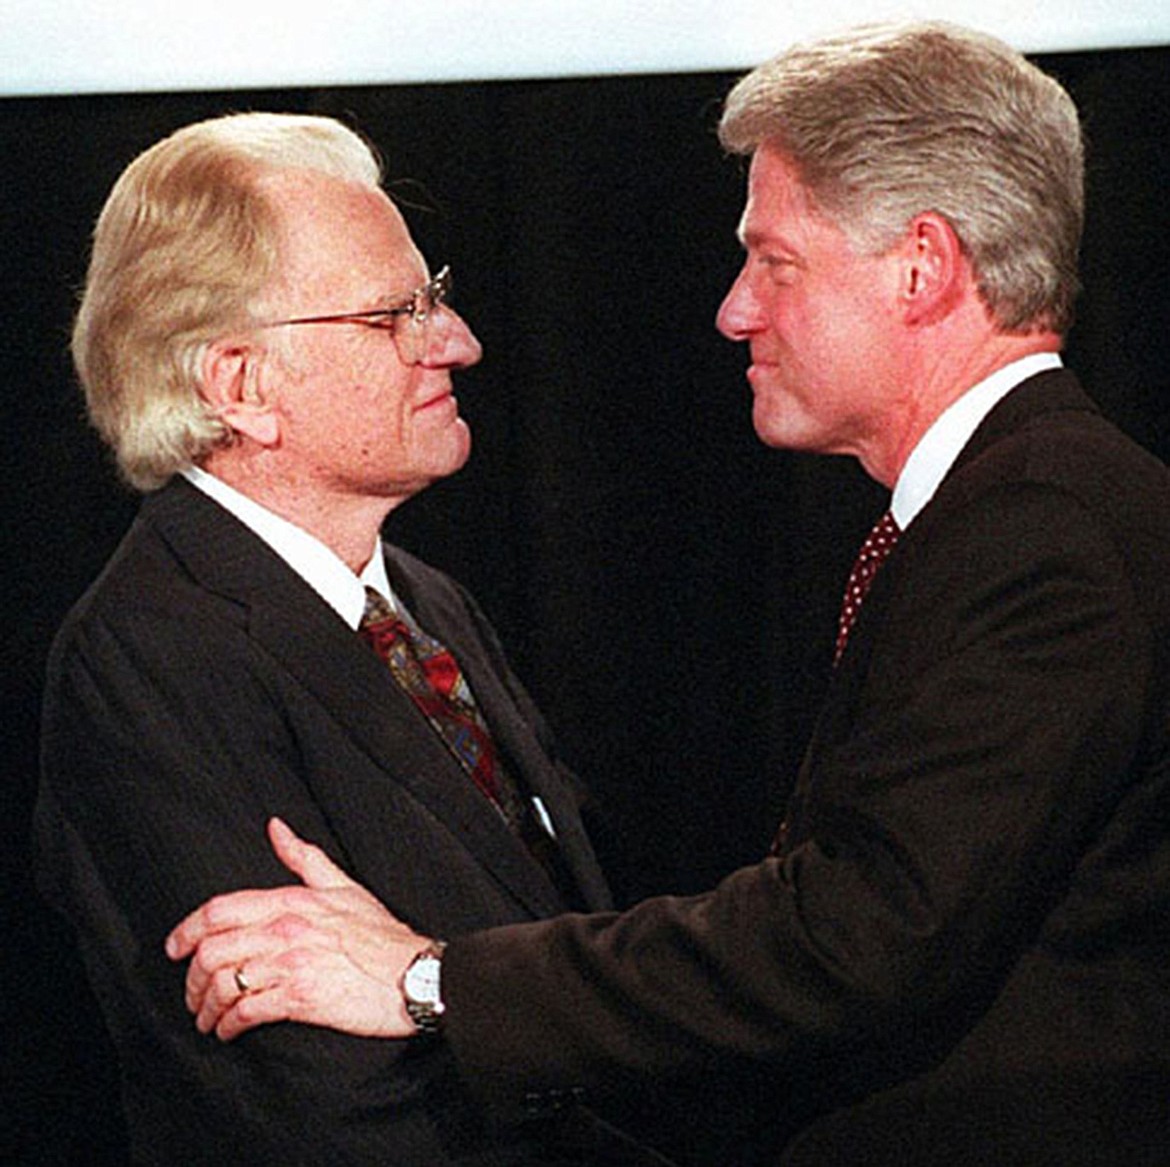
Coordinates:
(665, 585)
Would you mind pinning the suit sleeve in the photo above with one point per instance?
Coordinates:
(943, 810)
(165, 751)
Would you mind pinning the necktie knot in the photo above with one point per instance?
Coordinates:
(381, 626)
(877, 546)
(389, 634)
(376, 611)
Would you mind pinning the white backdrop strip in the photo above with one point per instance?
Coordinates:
(61, 46)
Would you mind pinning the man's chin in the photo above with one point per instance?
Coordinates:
(776, 431)
(457, 451)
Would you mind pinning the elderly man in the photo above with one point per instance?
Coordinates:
(269, 357)
(957, 953)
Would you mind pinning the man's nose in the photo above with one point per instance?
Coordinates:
(739, 314)
(450, 341)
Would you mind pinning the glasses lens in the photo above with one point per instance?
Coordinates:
(415, 331)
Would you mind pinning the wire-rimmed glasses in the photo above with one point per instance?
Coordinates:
(409, 321)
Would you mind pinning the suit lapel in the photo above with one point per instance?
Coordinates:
(304, 637)
(442, 612)
(1054, 391)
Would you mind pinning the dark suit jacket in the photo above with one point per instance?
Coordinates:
(200, 687)
(962, 955)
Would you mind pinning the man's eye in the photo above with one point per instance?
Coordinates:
(779, 269)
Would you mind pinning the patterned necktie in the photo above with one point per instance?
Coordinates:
(431, 677)
(873, 554)
(428, 673)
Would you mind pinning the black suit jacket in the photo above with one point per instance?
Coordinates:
(200, 687)
(962, 955)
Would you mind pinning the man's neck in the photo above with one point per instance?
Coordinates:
(939, 381)
(349, 525)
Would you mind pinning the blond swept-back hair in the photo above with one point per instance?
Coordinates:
(182, 251)
(886, 122)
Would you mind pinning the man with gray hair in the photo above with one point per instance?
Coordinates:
(957, 952)
(267, 354)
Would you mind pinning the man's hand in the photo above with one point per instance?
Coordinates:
(325, 953)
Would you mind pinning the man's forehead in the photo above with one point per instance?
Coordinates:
(778, 206)
(343, 247)
(322, 211)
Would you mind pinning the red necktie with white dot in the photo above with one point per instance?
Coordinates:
(873, 554)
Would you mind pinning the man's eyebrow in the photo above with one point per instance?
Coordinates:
(754, 240)
(393, 298)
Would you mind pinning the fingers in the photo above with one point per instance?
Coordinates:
(225, 913)
(229, 974)
(325, 952)
(305, 860)
(184, 938)
(221, 992)
(216, 959)
(238, 909)
(240, 997)
(250, 1010)
(311, 984)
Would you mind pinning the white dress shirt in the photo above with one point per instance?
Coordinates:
(938, 448)
(322, 569)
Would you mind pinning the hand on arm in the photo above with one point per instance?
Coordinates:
(324, 952)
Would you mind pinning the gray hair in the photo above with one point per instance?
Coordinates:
(182, 251)
(887, 122)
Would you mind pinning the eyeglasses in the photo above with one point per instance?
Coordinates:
(409, 322)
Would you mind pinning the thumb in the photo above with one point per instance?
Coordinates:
(308, 862)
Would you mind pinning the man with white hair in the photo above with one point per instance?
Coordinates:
(268, 355)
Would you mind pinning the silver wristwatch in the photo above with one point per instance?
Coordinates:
(421, 988)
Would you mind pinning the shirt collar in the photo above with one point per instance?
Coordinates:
(938, 448)
(321, 568)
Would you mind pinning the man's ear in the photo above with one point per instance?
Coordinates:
(934, 270)
(234, 387)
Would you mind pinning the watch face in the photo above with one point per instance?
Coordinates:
(422, 980)
(420, 989)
